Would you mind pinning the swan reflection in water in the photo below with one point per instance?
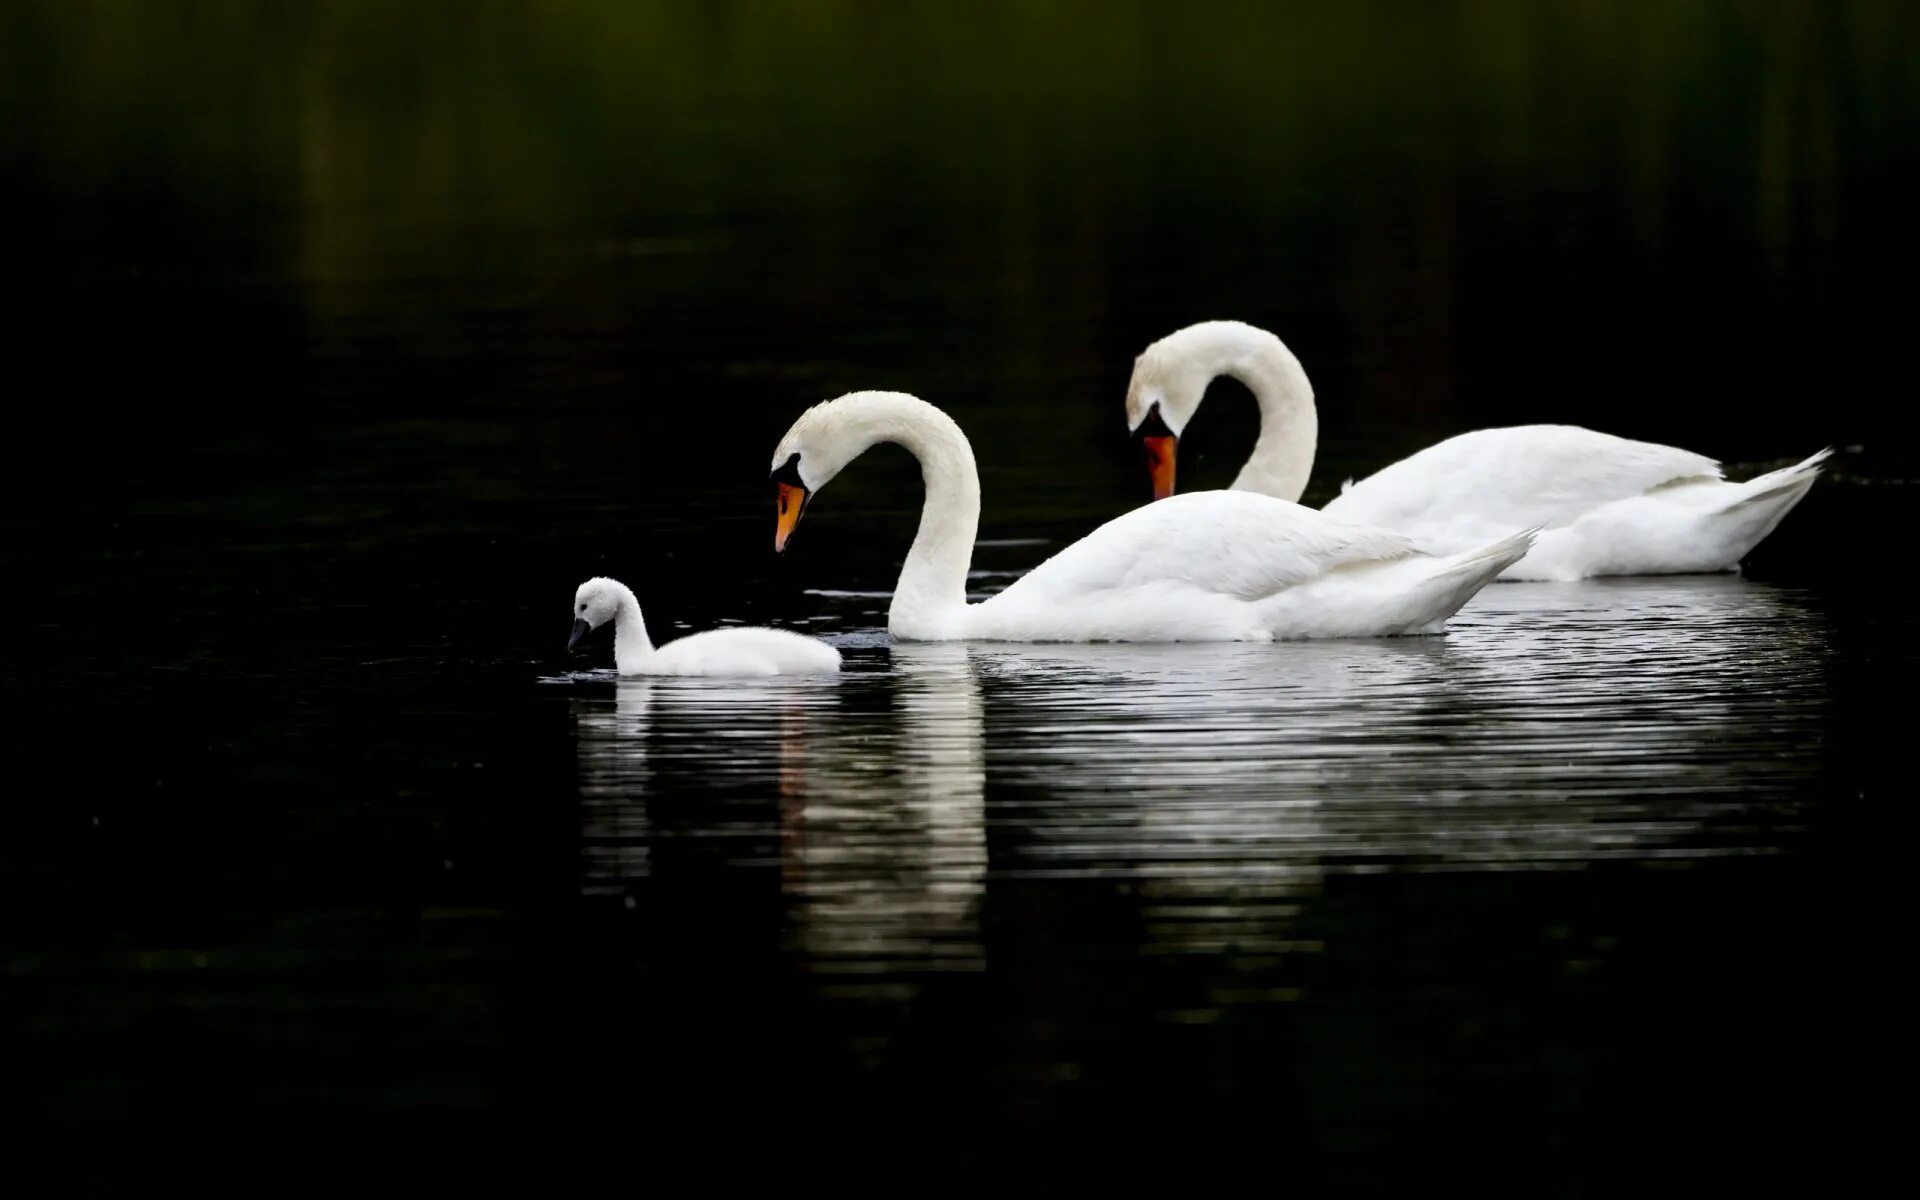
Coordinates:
(1556, 726)
(884, 840)
(881, 834)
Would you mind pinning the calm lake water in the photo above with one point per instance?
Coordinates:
(358, 337)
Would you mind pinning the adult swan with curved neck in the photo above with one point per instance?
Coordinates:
(1605, 505)
(1208, 566)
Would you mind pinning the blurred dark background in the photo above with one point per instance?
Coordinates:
(422, 270)
(347, 337)
(606, 231)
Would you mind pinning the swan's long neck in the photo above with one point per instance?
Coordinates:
(631, 645)
(930, 600)
(1282, 458)
(932, 591)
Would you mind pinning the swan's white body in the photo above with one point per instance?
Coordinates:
(746, 651)
(1609, 506)
(1208, 566)
(1606, 505)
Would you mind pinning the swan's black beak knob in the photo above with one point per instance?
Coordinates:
(580, 629)
(1161, 444)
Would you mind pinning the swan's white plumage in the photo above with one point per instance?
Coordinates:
(746, 651)
(1607, 505)
(751, 650)
(1251, 549)
(1207, 566)
(1529, 475)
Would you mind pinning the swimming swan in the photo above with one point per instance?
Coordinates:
(1208, 566)
(1607, 505)
(746, 651)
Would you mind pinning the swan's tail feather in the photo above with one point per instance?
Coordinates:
(1459, 579)
(1789, 483)
(1489, 560)
(1752, 509)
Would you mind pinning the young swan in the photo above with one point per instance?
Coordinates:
(716, 652)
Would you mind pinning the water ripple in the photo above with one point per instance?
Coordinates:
(1554, 727)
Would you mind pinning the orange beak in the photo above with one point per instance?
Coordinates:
(791, 501)
(1160, 452)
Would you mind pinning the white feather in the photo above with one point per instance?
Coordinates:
(1607, 505)
(1208, 566)
(746, 651)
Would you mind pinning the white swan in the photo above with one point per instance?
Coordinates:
(1209, 566)
(1606, 505)
(746, 651)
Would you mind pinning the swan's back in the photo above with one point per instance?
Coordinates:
(1236, 544)
(1527, 475)
(1236, 566)
(750, 650)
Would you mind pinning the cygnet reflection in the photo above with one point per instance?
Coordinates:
(877, 781)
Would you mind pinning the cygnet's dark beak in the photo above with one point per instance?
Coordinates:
(580, 628)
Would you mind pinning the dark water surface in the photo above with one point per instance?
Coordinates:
(354, 336)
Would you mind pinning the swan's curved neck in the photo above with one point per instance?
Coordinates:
(932, 592)
(631, 645)
(1282, 458)
(930, 601)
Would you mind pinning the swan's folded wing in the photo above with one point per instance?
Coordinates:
(1238, 544)
(1509, 478)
